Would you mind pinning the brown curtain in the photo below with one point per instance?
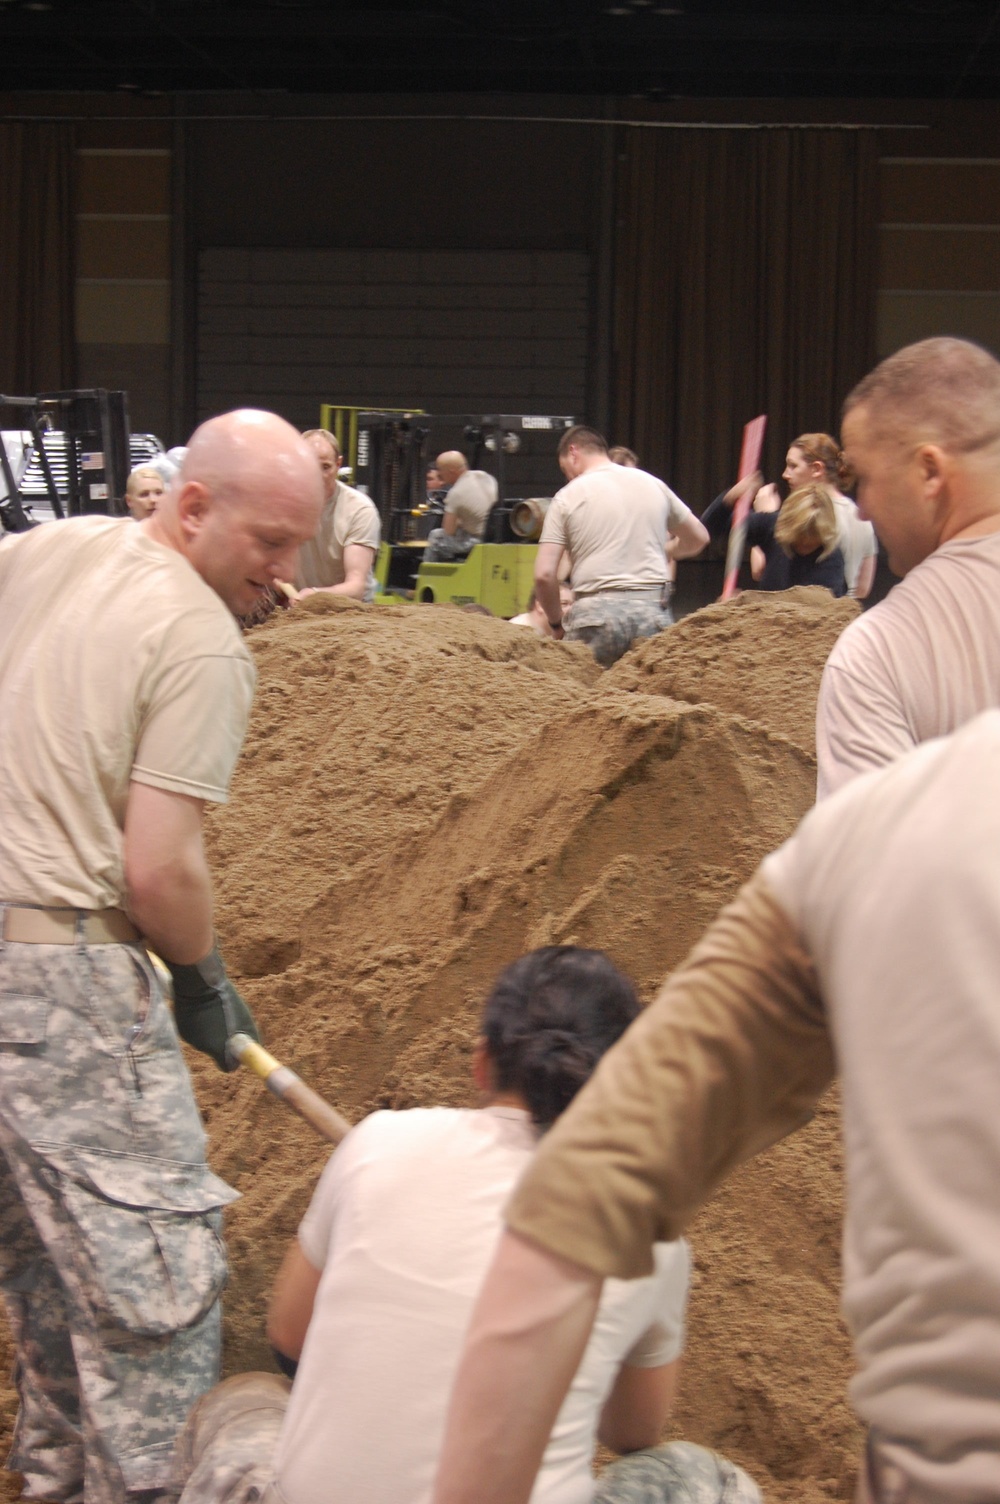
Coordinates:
(745, 282)
(36, 258)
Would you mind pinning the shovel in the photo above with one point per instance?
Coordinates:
(284, 1083)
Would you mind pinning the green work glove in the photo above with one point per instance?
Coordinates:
(208, 1009)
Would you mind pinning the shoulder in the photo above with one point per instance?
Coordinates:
(355, 501)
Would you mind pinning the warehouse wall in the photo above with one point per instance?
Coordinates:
(939, 242)
(156, 189)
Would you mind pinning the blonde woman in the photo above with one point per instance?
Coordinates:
(799, 542)
(143, 490)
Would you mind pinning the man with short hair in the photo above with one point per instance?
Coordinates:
(124, 693)
(869, 944)
(469, 497)
(922, 435)
(338, 561)
(613, 521)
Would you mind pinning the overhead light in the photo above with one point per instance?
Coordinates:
(618, 10)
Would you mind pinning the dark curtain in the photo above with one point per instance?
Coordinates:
(745, 282)
(36, 258)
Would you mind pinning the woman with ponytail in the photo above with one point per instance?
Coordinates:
(816, 459)
(376, 1292)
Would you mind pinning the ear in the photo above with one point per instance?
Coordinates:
(817, 470)
(192, 508)
(482, 1067)
(934, 466)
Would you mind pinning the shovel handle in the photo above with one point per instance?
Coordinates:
(289, 1087)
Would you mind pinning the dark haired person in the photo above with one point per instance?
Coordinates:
(377, 1290)
(614, 522)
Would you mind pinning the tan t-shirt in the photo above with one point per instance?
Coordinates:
(469, 501)
(614, 523)
(919, 664)
(348, 517)
(871, 933)
(117, 662)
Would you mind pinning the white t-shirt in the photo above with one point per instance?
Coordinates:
(918, 665)
(404, 1224)
(614, 522)
(894, 886)
(469, 500)
(348, 517)
(117, 662)
(855, 538)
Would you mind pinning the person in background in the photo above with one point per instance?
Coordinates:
(815, 458)
(467, 504)
(143, 489)
(375, 1293)
(619, 455)
(338, 561)
(535, 617)
(613, 522)
(798, 542)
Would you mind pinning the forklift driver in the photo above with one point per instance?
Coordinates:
(470, 495)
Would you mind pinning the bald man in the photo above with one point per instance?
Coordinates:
(922, 435)
(467, 503)
(124, 693)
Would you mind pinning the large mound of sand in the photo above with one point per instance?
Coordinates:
(424, 794)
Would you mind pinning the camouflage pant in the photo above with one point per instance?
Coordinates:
(609, 623)
(111, 1260)
(676, 1473)
(224, 1457)
(443, 548)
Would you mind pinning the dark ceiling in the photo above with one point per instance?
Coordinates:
(903, 49)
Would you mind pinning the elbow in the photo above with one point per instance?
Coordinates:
(625, 1436)
(284, 1338)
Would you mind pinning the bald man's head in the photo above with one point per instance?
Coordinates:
(249, 493)
(451, 465)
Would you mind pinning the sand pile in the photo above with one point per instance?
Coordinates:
(424, 794)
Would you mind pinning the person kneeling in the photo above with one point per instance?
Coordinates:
(375, 1294)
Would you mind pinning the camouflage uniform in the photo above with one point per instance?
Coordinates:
(111, 1259)
(612, 620)
(677, 1473)
(446, 548)
(224, 1457)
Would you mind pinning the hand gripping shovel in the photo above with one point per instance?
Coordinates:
(284, 1083)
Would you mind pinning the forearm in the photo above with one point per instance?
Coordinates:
(172, 908)
(730, 1057)
(528, 1331)
(689, 540)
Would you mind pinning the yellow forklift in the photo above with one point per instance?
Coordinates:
(389, 454)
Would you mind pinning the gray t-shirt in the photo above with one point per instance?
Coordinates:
(469, 501)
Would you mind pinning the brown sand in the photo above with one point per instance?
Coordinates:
(424, 794)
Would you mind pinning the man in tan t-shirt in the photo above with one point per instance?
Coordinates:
(618, 526)
(124, 693)
(468, 500)
(339, 559)
(869, 944)
(922, 434)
